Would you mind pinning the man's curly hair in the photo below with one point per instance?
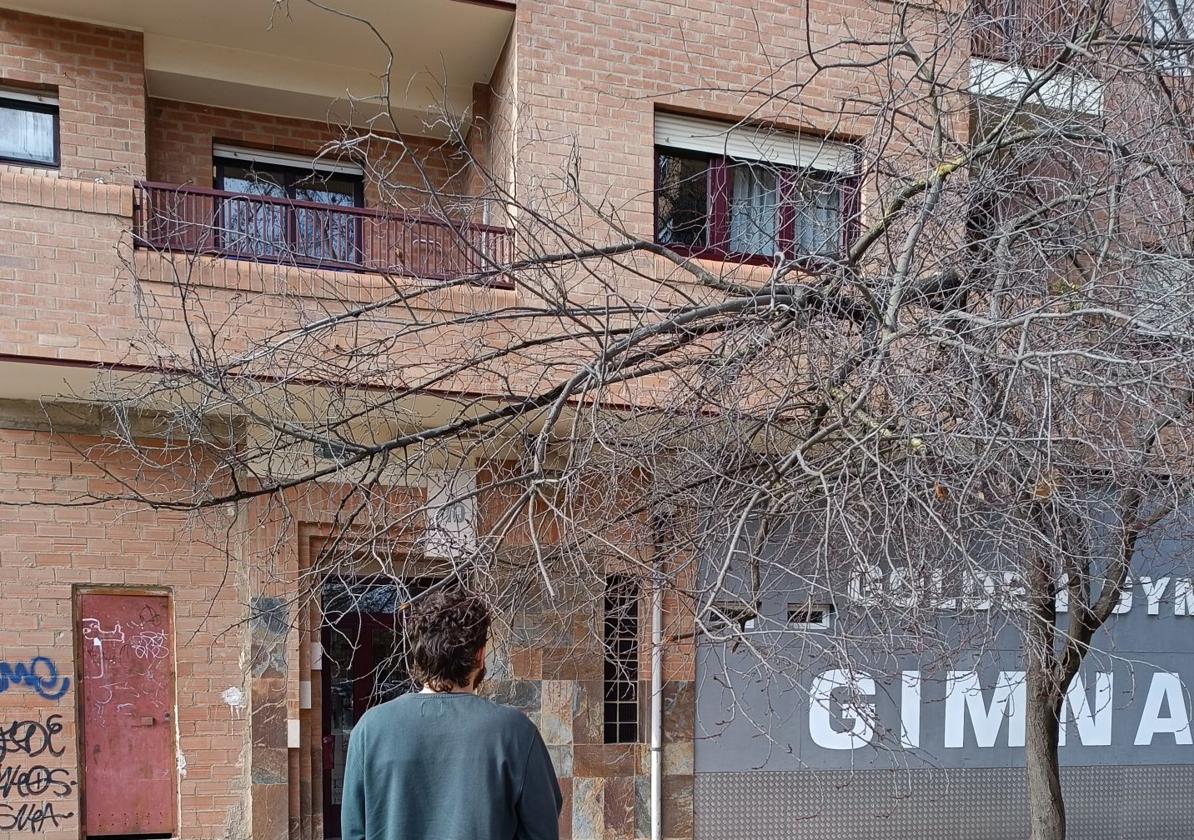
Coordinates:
(445, 631)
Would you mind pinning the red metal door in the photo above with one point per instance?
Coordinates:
(127, 694)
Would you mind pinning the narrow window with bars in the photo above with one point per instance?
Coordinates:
(621, 660)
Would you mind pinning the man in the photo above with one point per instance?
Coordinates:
(444, 763)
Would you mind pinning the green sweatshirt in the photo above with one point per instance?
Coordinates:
(448, 767)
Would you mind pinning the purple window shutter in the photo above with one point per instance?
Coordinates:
(786, 228)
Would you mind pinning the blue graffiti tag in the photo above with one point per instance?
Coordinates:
(40, 674)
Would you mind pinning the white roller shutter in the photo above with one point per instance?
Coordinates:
(751, 143)
(282, 159)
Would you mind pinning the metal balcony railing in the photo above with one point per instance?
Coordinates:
(195, 220)
(1031, 33)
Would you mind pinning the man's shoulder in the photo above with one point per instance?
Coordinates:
(511, 715)
(514, 722)
(398, 707)
(478, 706)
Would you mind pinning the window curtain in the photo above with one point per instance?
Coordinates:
(753, 205)
(818, 218)
(26, 135)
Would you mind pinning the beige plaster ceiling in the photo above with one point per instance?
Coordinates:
(292, 57)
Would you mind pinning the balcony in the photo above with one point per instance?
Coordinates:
(1030, 33)
(240, 226)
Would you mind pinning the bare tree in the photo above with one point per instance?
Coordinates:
(991, 371)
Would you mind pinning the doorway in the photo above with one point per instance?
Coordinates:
(127, 747)
(363, 664)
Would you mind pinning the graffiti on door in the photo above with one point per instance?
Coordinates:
(142, 641)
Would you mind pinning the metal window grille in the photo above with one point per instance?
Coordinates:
(621, 660)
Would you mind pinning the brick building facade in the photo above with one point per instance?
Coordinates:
(239, 701)
(157, 113)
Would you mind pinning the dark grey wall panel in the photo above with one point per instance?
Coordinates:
(903, 718)
(1104, 803)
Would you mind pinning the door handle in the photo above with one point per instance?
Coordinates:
(145, 721)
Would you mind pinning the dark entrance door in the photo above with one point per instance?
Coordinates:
(364, 663)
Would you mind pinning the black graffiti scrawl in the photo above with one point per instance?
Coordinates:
(32, 781)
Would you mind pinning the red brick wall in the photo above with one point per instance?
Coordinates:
(63, 292)
(181, 137)
(589, 79)
(100, 80)
(501, 120)
(45, 553)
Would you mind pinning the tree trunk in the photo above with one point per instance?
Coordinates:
(1044, 696)
(1046, 809)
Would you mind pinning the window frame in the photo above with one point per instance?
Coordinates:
(801, 614)
(719, 196)
(32, 102)
(291, 179)
(1176, 63)
(1157, 284)
(622, 623)
(739, 616)
(220, 162)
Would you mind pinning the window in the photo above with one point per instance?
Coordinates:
(1171, 21)
(734, 617)
(746, 194)
(682, 199)
(621, 660)
(1162, 295)
(810, 616)
(280, 219)
(28, 128)
(334, 450)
